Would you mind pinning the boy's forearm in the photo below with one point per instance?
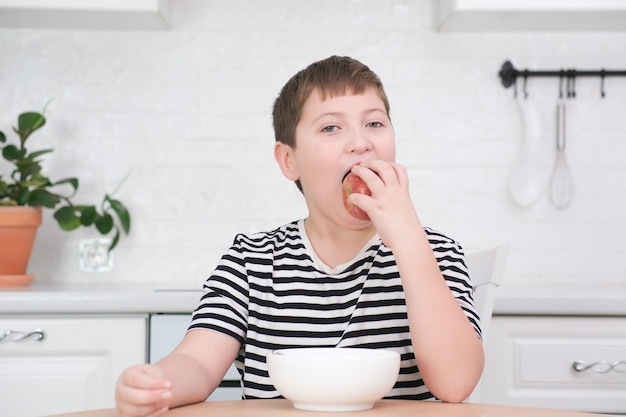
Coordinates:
(448, 351)
(191, 382)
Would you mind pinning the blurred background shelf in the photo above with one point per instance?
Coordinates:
(85, 14)
(529, 15)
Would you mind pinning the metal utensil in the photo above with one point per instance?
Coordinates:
(561, 183)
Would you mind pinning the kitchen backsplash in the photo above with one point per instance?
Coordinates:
(186, 114)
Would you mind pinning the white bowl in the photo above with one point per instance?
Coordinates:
(333, 379)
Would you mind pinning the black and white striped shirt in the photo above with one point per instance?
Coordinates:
(270, 291)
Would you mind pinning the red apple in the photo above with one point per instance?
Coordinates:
(354, 184)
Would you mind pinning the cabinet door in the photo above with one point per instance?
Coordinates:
(64, 364)
(576, 363)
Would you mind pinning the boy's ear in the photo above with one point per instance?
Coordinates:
(283, 154)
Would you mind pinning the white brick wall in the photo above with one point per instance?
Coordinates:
(187, 112)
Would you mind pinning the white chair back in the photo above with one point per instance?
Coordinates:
(486, 269)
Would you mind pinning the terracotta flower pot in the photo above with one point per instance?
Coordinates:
(18, 227)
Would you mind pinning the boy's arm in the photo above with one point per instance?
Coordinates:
(448, 351)
(198, 364)
(188, 375)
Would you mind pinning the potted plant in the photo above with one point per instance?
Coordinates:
(25, 190)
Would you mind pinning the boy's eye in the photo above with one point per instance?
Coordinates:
(329, 129)
(374, 124)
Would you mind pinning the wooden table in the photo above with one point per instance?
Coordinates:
(383, 408)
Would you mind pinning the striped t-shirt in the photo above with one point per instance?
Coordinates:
(270, 291)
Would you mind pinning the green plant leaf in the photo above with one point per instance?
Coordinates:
(36, 180)
(104, 223)
(72, 181)
(3, 137)
(88, 215)
(24, 197)
(40, 197)
(39, 153)
(122, 213)
(28, 170)
(30, 121)
(25, 163)
(116, 239)
(66, 218)
(10, 152)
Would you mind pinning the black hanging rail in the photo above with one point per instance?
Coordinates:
(509, 75)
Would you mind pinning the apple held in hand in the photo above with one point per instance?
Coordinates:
(354, 184)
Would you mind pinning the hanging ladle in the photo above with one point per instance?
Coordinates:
(561, 183)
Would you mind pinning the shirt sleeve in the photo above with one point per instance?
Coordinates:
(224, 305)
(451, 260)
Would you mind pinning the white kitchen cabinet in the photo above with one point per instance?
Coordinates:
(529, 15)
(86, 14)
(52, 364)
(576, 363)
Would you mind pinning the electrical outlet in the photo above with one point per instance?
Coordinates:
(94, 255)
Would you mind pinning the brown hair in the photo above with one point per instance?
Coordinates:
(332, 76)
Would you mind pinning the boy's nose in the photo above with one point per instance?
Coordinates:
(359, 143)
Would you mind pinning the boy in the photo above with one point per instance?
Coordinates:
(331, 279)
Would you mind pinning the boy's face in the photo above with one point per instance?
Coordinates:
(332, 136)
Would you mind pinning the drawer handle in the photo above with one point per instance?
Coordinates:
(19, 336)
(600, 367)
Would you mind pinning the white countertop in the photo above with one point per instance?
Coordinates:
(96, 298)
(122, 298)
(606, 300)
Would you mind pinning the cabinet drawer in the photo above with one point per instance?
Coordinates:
(69, 363)
(70, 333)
(575, 363)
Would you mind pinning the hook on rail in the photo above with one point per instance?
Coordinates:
(509, 74)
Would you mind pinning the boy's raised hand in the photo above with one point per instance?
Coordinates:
(142, 391)
(390, 207)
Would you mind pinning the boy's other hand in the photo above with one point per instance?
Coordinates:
(142, 391)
